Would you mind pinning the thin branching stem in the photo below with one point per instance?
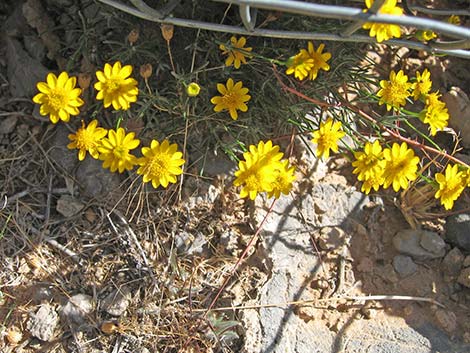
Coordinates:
(240, 259)
(370, 119)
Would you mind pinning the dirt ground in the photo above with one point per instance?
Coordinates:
(144, 265)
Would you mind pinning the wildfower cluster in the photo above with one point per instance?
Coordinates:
(264, 170)
(160, 164)
(395, 166)
(395, 92)
(59, 98)
(308, 62)
(385, 31)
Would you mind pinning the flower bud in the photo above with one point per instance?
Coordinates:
(133, 36)
(84, 80)
(426, 35)
(167, 31)
(146, 71)
(193, 89)
(454, 20)
(109, 327)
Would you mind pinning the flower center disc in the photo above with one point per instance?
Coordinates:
(57, 99)
(85, 139)
(159, 166)
(113, 85)
(120, 152)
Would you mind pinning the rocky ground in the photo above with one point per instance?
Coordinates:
(92, 262)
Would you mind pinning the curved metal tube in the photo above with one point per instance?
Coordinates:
(248, 16)
(463, 33)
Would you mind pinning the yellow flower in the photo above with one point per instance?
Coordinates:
(114, 150)
(283, 179)
(451, 185)
(257, 172)
(400, 167)
(161, 163)
(384, 31)
(369, 162)
(395, 91)
(434, 99)
(466, 177)
(373, 181)
(426, 35)
(267, 151)
(237, 53)
(435, 113)
(423, 84)
(193, 89)
(300, 65)
(319, 60)
(233, 98)
(327, 136)
(115, 87)
(454, 20)
(87, 139)
(58, 97)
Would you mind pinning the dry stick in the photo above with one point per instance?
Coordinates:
(180, 188)
(48, 202)
(314, 301)
(371, 119)
(130, 233)
(73, 255)
(240, 259)
(171, 56)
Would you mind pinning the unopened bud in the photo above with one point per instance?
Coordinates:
(426, 35)
(133, 36)
(193, 89)
(167, 31)
(84, 80)
(109, 327)
(455, 20)
(146, 71)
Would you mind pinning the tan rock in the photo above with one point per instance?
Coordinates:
(458, 105)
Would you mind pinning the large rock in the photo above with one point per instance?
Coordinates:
(419, 244)
(404, 265)
(7, 124)
(117, 301)
(293, 267)
(458, 230)
(458, 104)
(94, 180)
(453, 261)
(58, 151)
(464, 277)
(42, 323)
(290, 252)
(77, 308)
